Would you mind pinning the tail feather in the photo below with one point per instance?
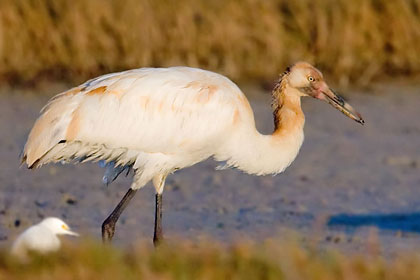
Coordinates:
(78, 152)
(50, 129)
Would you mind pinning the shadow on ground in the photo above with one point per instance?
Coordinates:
(407, 222)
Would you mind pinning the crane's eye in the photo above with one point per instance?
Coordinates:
(311, 79)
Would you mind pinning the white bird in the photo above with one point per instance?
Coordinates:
(159, 120)
(41, 238)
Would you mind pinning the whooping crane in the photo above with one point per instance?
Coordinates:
(158, 120)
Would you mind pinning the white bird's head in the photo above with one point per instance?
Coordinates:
(309, 82)
(57, 226)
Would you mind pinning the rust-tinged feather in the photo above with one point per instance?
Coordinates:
(73, 127)
(98, 90)
(73, 91)
(236, 117)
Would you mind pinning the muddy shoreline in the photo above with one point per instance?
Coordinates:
(349, 185)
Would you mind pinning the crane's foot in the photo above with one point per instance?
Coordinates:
(108, 230)
(108, 226)
(157, 241)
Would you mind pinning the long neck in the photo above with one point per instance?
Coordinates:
(271, 154)
(287, 111)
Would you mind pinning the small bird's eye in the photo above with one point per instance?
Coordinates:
(311, 79)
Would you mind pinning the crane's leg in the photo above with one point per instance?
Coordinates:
(108, 226)
(158, 234)
(159, 183)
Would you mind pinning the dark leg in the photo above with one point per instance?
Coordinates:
(158, 235)
(108, 226)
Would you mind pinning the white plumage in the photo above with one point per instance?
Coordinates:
(158, 120)
(41, 238)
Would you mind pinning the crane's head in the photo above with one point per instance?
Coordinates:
(57, 226)
(309, 82)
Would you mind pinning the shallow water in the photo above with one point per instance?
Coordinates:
(349, 185)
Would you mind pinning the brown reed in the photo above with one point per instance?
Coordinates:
(352, 41)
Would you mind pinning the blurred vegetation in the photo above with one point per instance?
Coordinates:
(271, 260)
(353, 41)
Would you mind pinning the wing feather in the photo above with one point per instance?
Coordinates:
(177, 110)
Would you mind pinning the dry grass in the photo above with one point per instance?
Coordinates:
(271, 260)
(354, 41)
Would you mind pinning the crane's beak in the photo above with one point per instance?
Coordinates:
(340, 104)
